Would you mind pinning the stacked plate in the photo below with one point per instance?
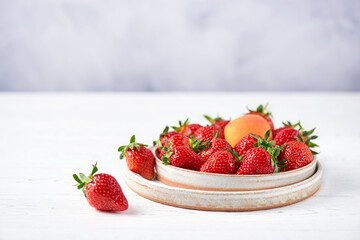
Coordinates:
(219, 192)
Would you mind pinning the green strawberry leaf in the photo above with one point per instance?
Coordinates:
(76, 178)
(83, 179)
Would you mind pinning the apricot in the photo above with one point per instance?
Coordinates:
(241, 126)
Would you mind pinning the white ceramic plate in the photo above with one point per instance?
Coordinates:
(224, 200)
(183, 178)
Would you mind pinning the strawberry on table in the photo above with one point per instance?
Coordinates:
(245, 144)
(186, 128)
(297, 155)
(262, 158)
(183, 157)
(102, 191)
(262, 112)
(217, 144)
(224, 162)
(218, 122)
(139, 159)
(207, 133)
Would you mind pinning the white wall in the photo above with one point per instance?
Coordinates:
(179, 45)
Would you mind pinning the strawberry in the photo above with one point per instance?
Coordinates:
(219, 123)
(186, 128)
(262, 158)
(286, 135)
(286, 125)
(224, 162)
(183, 157)
(178, 140)
(139, 159)
(191, 129)
(245, 144)
(165, 136)
(102, 191)
(297, 155)
(261, 111)
(277, 130)
(256, 161)
(175, 141)
(290, 134)
(206, 133)
(217, 144)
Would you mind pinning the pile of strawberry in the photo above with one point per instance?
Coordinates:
(204, 148)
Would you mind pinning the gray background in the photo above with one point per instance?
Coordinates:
(88, 45)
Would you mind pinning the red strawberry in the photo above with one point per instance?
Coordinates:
(217, 144)
(178, 140)
(262, 158)
(255, 161)
(186, 129)
(183, 157)
(165, 136)
(297, 154)
(288, 124)
(173, 142)
(102, 191)
(224, 162)
(191, 129)
(278, 130)
(261, 111)
(286, 135)
(139, 159)
(245, 144)
(218, 122)
(291, 134)
(206, 133)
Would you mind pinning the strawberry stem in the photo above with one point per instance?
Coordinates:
(198, 145)
(236, 155)
(181, 126)
(262, 109)
(166, 157)
(290, 125)
(83, 179)
(306, 137)
(213, 120)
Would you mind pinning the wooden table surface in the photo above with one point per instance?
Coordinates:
(46, 137)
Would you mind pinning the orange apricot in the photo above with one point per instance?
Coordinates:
(241, 126)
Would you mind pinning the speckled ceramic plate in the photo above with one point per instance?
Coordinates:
(224, 200)
(183, 178)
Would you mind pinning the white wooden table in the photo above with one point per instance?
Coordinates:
(46, 137)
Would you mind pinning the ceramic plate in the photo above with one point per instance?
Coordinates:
(224, 200)
(183, 178)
